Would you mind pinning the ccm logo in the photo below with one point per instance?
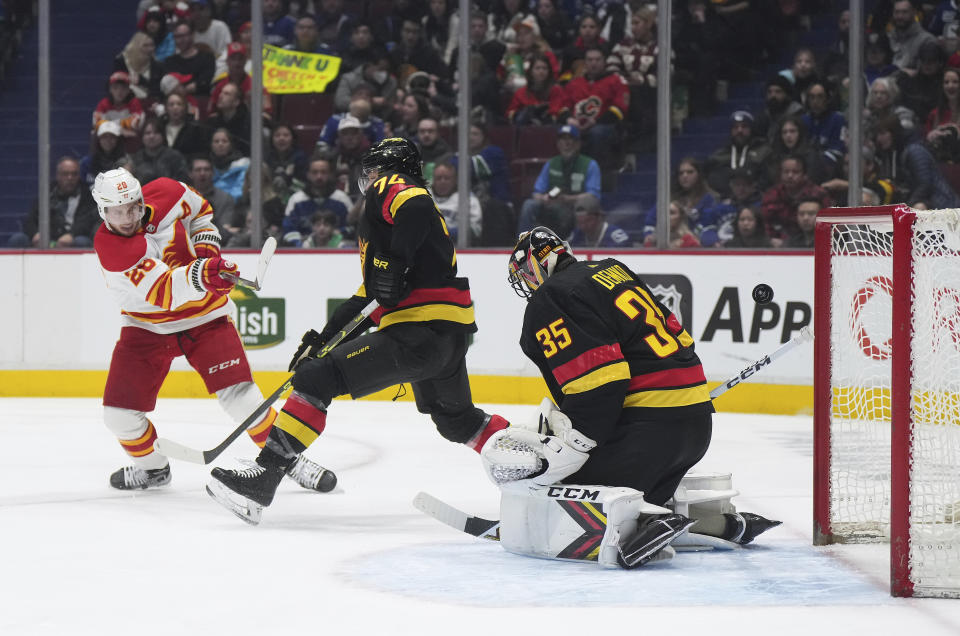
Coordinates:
(572, 493)
(223, 365)
(380, 264)
(746, 373)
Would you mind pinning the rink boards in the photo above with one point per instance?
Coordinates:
(60, 324)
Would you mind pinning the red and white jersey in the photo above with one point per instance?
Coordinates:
(148, 273)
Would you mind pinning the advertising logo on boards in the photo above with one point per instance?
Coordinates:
(261, 322)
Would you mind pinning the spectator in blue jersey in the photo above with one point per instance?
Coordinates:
(362, 110)
(229, 166)
(277, 25)
(490, 174)
(826, 127)
(690, 191)
(718, 221)
(592, 229)
(562, 178)
(320, 192)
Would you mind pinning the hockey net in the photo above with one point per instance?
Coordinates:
(887, 390)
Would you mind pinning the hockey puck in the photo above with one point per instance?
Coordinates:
(328, 481)
(762, 294)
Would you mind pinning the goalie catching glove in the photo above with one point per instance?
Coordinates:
(550, 453)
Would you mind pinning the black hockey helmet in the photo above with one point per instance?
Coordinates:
(393, 154)
(534, 258)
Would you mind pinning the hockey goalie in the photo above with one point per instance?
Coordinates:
(604, 476)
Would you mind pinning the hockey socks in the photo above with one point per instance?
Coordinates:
(491, 425)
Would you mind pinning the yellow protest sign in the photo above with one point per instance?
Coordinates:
(287, 71)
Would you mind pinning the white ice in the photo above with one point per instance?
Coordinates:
(81, 558)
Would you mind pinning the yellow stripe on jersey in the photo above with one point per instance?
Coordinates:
(402, 198)
(669, 397)
(423, 313)
(603, 375)
(297, 429)
(685, 339)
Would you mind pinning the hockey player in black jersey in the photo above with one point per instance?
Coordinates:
(425, 316)
(628, 386)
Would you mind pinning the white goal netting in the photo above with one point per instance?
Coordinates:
(862, 302)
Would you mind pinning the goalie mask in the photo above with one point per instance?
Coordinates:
(394, 154)
(117, 188)
(534, 259)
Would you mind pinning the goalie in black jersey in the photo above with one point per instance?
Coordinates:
(425, 316)
(632, 412)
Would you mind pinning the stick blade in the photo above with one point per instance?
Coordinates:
(174, 450)
(456, 519)
(269, 247)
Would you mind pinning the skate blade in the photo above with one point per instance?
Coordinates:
(248, 511)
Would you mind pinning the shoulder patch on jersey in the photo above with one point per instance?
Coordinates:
(161, 195)
(118, 253)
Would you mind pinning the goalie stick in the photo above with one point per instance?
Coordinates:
(269, 247)
(456, 519)
(490, 528)
(176, 450)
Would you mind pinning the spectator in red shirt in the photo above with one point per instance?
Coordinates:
(598, 101)
(780, 202)
(120, 106)
(541, 101)
(575, 55)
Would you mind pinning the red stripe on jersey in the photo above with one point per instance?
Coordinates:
(162, 195)
(261, 431)
(190, 310)
(426, 296)
(118, 253)
(586, 362)
(306, 413)
(392, 192)
(668, 378)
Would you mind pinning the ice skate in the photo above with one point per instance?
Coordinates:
(311, 475)
(750, 525)
(245, 492)
(134, 478)
(653, 535)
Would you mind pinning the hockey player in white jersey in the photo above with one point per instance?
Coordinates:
(160, 255)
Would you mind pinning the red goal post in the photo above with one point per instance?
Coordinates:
(887, 389)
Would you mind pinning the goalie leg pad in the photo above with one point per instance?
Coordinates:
(570, 522)
(136, 435)
(703, 495)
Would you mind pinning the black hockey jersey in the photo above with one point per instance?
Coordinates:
(604, 344)
(400, 218)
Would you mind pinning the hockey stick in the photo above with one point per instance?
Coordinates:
(269, 247)
(457, 519)
(490, 529)
(805, 335)
(176, 450)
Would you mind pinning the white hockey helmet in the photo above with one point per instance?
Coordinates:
(115, 187)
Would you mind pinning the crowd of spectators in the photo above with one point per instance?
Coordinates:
(176, 104)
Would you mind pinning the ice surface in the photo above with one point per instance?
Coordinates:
(81, 558)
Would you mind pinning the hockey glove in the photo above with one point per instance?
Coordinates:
(310, 346)
(206, 245)
(388, 281)
(206, 274)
